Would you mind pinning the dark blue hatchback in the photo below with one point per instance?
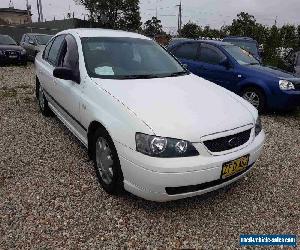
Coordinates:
(235, 69)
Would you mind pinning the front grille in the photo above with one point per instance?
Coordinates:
(9, 53)
(228, 142)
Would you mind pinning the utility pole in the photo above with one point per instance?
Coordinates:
(40, 10)
(179, 18)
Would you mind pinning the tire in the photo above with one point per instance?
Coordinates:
(42, 101)
(106, 162)
(256, 97)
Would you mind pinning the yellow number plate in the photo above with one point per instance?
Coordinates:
(234, 167)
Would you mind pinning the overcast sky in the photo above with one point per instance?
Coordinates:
(204, 12)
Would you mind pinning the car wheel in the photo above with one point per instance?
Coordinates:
(256, 97)
(107, 164)
(43, 103)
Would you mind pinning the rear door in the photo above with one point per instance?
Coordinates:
(187, 54)
(213, 69)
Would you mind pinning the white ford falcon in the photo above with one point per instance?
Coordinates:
(150, 126)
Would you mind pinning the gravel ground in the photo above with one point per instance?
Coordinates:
(50, 197)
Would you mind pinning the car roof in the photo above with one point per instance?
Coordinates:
(211, 42)
(37, 34)
(239, 38)
(94, 32)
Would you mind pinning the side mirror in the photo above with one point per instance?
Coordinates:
(31, 42)
(225, 63)
(66, 74)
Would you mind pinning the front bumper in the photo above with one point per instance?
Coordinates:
(286, 100)
(19, 59)
(150, 184)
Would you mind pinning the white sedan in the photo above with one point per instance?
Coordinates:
(150, 126)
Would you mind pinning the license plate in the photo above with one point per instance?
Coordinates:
(13, 56)
(234, 167)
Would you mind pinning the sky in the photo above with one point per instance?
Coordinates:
(203, 12)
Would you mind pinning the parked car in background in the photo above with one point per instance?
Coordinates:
(245, 43)
(237, 70)
(34, 43)
(150, 126)
(292, 62)
(11, 52)
(297, 63)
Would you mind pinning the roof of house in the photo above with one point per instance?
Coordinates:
(13, 10)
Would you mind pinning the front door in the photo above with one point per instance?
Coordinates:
(216, 67)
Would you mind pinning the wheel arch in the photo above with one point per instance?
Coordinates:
(255, 84)
(94, 125)
(37, 83)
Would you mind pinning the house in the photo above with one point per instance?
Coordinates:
(14, 16)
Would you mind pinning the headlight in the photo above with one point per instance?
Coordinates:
(258, 126)
(164, 147)
(286, 85)
(23, 52)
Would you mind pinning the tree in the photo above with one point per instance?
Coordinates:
(288, 35)
(298, 38)
(153, 27)
(244, 25)
(114, 14)
(190, 30)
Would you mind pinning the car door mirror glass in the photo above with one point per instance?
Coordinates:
(225, 63)
(65, 74)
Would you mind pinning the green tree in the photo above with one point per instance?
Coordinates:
(190, 30)
(153, 27)
(114, 14)
(244, 25)
(208, 32)
(288, 36)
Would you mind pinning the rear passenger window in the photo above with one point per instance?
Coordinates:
(211, 55)
(55, 50)
(187, 51)
(47, 49)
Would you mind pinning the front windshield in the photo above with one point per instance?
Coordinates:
(42, 39)
(241, 56)
(7, 40)
(128, 58)
(251, 47)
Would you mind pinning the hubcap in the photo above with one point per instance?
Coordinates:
(41, 98)
(104, 160)
(252, 97)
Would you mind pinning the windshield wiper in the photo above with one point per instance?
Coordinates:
(254, 63)
(139, 76)
(181, 73)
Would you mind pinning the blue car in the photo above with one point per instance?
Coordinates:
(235, 69)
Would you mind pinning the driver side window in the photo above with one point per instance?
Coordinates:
(210, 54)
